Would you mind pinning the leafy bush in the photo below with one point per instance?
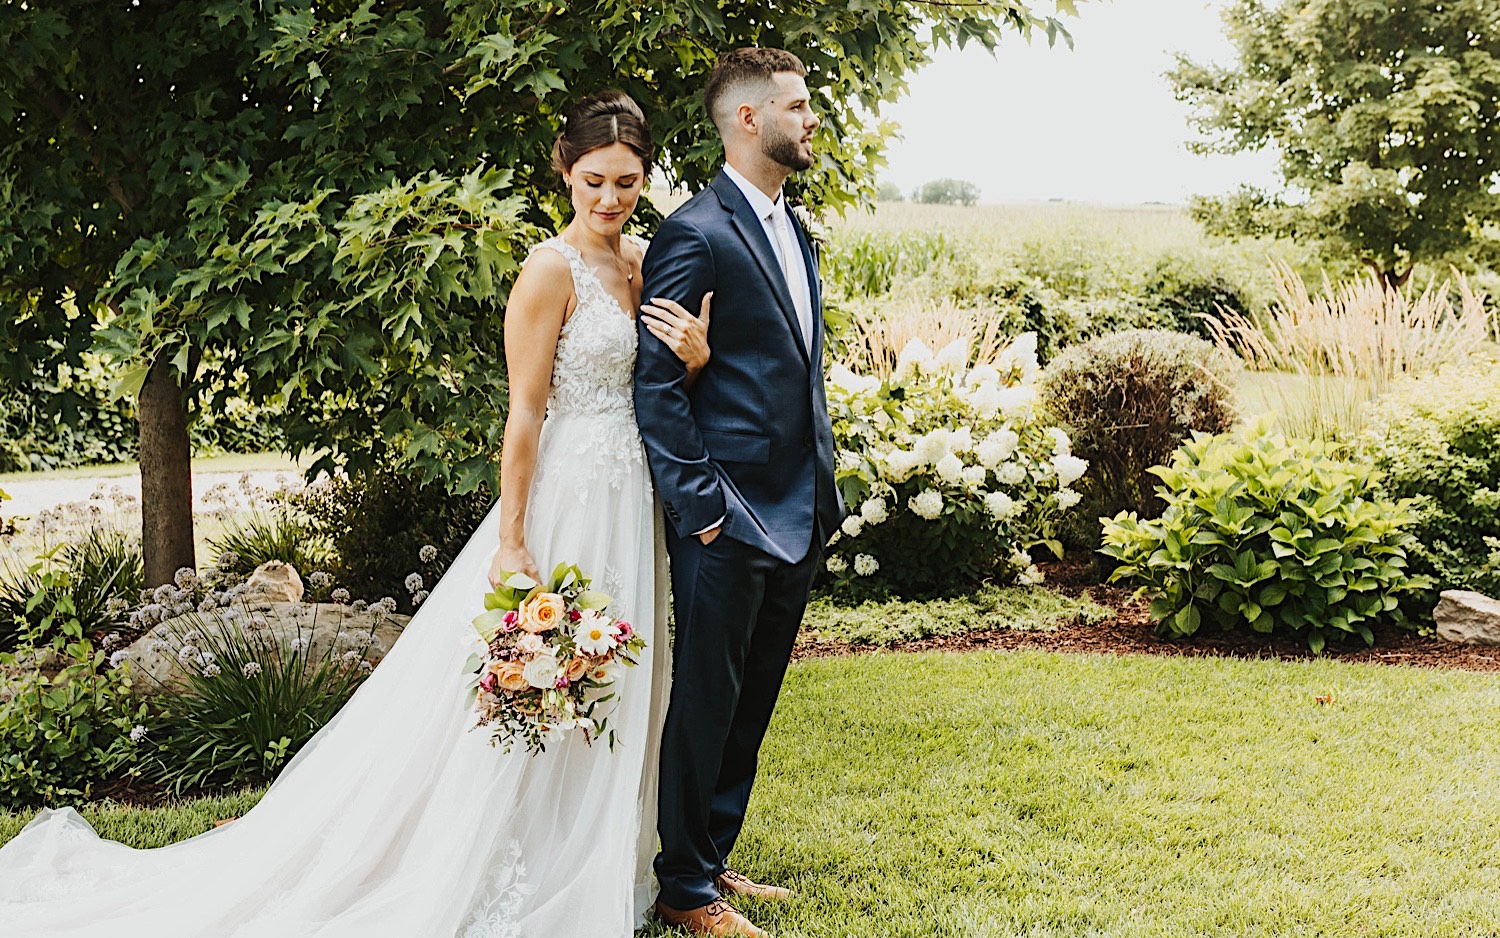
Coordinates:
(379, 521)
(1188, 298)
(1436, 441)
(74, 419)
(60, 732)
(251, 702)
(94, 429)
(1270, 533)
(951, 477)
(234, 425)
(1127, 401)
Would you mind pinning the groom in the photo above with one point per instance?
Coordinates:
(743, 462)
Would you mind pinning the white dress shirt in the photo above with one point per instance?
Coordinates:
(778, 228)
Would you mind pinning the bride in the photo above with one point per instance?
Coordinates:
(396, 820)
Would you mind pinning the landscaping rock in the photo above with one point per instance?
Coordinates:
(327, 629)
(1467, 617)
(273, 582)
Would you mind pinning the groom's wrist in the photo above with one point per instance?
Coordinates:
(713, 527)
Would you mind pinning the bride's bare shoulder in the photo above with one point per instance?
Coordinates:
(545, 283)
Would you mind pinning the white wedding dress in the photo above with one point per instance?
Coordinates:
(396, 821)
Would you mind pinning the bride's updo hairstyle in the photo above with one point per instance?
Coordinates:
(598, 121)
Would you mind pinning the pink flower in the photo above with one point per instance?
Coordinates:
(511, 620)
(625, 630)
(562, 682)
(574, 615)
(488, 682)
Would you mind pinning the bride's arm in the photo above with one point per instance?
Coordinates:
(534, 317)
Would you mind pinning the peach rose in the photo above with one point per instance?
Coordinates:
(542, 612)
(510, 678)
(576, 668)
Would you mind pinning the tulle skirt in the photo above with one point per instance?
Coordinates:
(396, 819)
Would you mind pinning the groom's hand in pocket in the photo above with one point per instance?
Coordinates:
(711, 535)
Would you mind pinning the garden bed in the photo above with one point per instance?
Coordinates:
(1129, 631)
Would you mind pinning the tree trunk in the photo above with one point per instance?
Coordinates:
(166, 476)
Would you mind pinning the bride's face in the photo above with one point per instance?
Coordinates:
(606, 183)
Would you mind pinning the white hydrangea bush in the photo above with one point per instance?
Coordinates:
(949, 474)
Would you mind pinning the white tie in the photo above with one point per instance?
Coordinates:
(784, 255)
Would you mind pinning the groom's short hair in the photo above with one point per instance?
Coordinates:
(744, 71)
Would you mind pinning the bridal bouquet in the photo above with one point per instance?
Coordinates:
(552, 654)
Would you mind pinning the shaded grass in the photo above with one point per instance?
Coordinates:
(1024, 609)
(151, 827)
(231, 462)
(1043, 795)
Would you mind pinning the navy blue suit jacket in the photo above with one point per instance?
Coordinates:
(751, 442)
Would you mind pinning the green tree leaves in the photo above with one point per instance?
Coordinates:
(1386, 119)
(324, 204)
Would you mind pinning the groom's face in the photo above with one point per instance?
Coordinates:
(789, 122)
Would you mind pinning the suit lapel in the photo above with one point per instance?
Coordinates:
(754, 235)
(814, 284)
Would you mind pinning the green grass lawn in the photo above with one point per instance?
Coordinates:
(1039, 795)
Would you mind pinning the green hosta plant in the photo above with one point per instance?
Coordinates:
(949, 474)
(1269, 533)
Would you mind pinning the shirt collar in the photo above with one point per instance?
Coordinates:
(760, 203)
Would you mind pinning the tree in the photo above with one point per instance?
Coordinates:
(946, 192)
(889, 192)
(1385, 118)
(326, 202)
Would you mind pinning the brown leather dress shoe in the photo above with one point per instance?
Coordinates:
(718, 918)
(732, 883)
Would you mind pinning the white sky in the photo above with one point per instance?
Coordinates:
(1097, 123)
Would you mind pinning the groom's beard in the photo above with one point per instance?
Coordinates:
(785, 150)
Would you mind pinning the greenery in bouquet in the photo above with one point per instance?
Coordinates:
(550, 659)
(950, 475)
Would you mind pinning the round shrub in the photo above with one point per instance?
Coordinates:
(378, 522)
(1436, 441)
(949, 475)
(1127, 401)
(1274, 534)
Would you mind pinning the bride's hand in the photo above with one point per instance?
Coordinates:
(686, 335)
(512, 560)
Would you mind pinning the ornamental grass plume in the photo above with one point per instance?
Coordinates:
(877, 335)
(1348, 346)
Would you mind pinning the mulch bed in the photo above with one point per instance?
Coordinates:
(1130, 632)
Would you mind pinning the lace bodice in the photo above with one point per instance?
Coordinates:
(595, 360)
(590, 434)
